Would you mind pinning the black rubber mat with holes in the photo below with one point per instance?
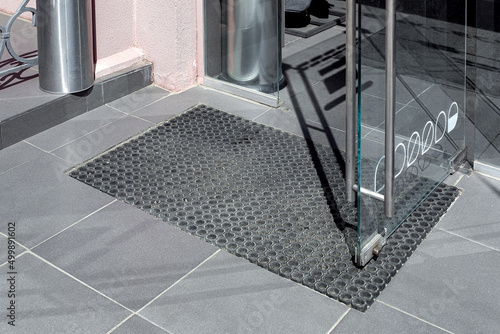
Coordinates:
(273, 198)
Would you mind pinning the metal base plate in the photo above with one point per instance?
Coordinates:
(273, 198)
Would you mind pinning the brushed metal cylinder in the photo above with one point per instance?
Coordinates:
(243, 40)
(65, 45)
(252, 46)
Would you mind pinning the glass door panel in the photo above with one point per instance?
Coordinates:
(487, 67)
(243, 47)
(429, 108)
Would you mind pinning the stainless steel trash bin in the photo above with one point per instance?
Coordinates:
(65, 45)
(252, 44)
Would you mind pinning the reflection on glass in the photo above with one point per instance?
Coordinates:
(430, 95)
(487, 66)
(243, 43)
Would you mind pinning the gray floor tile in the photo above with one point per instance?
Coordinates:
(451, 283)
(330, 39)
(230, 295)
(373, 83)
(439, 98)
(102, 139)
(296, 83)
(382, 319)
(139, 99)
(479, 201)
(177, 103)
(289, 122)
(323, 102)
(16, 155)
(291, 48)
(311, 62)
(42, 200)
(291, 38)
(126, 254)
(75, 128)
(5, 243)
(136, 325)
(454, 178)
(373, 112)
(491, 154)
(49, 301)
(160, 111)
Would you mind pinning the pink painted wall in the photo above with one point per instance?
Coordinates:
(166, 32)
(115, 26)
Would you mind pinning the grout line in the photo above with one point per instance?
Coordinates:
(253, 119)
(89, 133)
(41, 149)
(488, 175)
(338, 321)
(179, 280)
(120, 323)
(142, 107)
(114, 108)
(17, 242)
(79, 281)
(404, 105)
(330, 127)
(140, 316)
(465, 238)
(63, 159)
(70, 226)
(24, 163)
(143, 119)
(459, 179)
(17, 257)
(415, 317)
(153, 323)
(29, 160)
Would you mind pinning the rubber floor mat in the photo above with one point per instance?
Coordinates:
(271, 197)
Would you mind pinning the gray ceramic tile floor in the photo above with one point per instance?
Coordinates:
(376, 321)
(450, 282)
(101, 139)
(17, 155)
(481, 204)
(139, 99)
(230, 295)
(132, 259)
(136, 325)
(75, 128)
(50, 301)
(42, 200)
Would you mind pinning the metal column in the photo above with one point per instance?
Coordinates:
(65, 45)
(390, 103)
(351, 112)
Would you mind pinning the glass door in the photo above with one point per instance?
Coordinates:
(411, 102)
(487, 87)
(243, 48)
